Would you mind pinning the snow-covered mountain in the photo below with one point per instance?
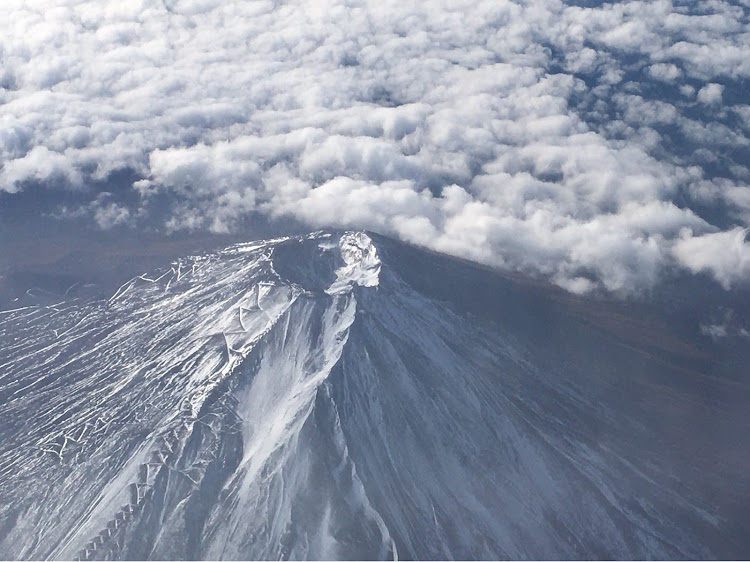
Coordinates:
(342, 395)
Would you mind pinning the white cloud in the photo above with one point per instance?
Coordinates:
(715, 331)
(40, 165)
(725, 323)
(665, 72)
(514, 134)
(710, 94)
(110, 214)
(103, 210)
(726, 255)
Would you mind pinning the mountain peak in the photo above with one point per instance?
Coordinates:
(361, 263)
(296, 398)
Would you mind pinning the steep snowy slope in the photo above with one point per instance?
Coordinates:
(344, 396)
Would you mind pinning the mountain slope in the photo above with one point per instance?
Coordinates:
(345, 396)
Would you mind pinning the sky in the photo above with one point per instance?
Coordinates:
(596, 145)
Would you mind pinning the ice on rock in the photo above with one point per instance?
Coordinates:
(361, 263)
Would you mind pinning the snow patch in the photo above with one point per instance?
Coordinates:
(361, 263)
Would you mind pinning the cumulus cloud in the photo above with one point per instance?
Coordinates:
(103, 210)
(724, 254)
(39, 164)
(710, 94)
(557, 139)
(665, 72)
(725, 324)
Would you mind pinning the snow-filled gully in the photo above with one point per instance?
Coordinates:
(220, 390)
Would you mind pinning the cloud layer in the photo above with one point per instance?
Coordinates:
(595, 146)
